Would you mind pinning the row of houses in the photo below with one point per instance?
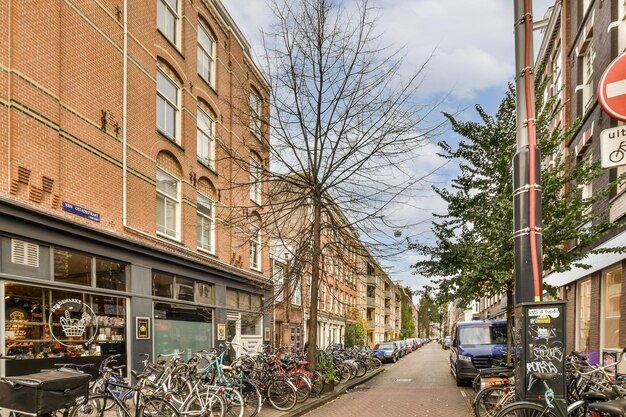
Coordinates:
(133, 141)
(579, 40)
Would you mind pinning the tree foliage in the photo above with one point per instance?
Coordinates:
(473, 252)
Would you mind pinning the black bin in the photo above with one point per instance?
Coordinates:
(44, 392)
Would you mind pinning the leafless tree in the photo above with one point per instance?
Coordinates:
(345, 126)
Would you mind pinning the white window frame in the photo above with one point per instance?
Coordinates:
(308, 291)
(323, 298)
(173, 13)
(168, 102)
(255, 247)
(206, 56)
(604, 304)
(200, 216)
(169, 198)
(587, 188)
(588, 59)
(558, 74)
(205, 137)
(255, 113)
(255, 180)
(296, 298)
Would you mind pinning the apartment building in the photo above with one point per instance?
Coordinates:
(581, 39)
(133, 142)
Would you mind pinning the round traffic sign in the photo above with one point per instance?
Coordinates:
(612, 88)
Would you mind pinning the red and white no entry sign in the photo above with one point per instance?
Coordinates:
(612, 88)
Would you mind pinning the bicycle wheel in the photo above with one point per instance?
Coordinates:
(375, 363)
(303, 386)
(205, 403)
(489, 401)
(476, 383)
(234, 402)
(94, 407)
(282, 395)
(157, 407)
(361, 368)
(525, 409)
(252, 398)
(317, 382)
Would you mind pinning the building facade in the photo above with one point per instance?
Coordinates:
(582, 38)
(133, 141)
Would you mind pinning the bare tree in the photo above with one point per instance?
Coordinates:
(344, 128)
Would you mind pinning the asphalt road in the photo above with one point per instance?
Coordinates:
(418, 385)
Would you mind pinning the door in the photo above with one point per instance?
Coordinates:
(233, 332)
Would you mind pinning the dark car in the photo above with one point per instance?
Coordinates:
(446, 342)
(388, 351)
(475, 344)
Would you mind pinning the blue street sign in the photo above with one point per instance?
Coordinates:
(80, 211)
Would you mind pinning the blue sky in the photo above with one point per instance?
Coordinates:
(473, 45)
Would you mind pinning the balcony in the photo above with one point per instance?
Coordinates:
(388, 294)
(371, 302)
(371, 280)
(372, 324)
(389, 326)
(387, 311)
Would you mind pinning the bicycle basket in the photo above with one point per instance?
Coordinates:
(44, 392)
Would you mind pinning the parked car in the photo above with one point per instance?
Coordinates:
(388, 351)
(446, 342)
(475, 344)
(409, 345)
(403, 350)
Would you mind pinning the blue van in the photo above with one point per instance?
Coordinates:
(475, 344)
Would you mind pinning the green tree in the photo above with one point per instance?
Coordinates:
(473, 252)
(356, 331)
(408, 325)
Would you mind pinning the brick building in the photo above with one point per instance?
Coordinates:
(581, 39)
(132, 146)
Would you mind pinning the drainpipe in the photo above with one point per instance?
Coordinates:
(124, 115)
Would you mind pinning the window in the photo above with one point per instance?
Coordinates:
(168, 20)
(296, 298)
(621, 186)
(232, 298)
(323, 297)
(588, 58)
(183, 329)
(558, 73)
(72, 267)
(204, 293)
(611, 300)
(583, 305)
(251, 324)
(278, 283)
(255, 180)
(308, 290)
(205, 222)
(168, 205)
(110, 275)
(255, 247)
(587, 188)
(167, 106)
(255, 113)
(206, 55)
(205, 139)
(331, 299)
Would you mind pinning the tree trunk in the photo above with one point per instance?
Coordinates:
(316, 201)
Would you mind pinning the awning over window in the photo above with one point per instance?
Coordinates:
(598, 261)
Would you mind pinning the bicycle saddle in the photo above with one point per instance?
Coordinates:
(614, 408)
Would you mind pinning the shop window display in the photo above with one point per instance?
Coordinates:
(182, 329)
(42, 323)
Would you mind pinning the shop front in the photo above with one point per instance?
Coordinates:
(43, 326)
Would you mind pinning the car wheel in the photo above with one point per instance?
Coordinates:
(458, 380)
(394, 360)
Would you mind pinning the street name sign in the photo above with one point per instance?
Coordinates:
(612, 88)
(613, 147)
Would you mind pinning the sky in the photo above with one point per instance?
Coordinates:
(472, 43)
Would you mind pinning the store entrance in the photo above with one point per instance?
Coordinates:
(233, 332)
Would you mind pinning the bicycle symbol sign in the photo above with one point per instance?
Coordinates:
(613, 147)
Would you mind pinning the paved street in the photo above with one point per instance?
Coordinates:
(418, 385)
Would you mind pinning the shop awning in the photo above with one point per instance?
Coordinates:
(597, 261)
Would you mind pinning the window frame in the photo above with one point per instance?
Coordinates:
(209, 159)
(167, 102)
(587, 76)
(255, 179)
(256, 113)
(255, 247)
(211, 219)
(177, 205)
(210, 55)
(175, 13)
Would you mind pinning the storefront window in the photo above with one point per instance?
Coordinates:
(182, 329)
(184, 289)
(244, 300)
(584, 316)
(231, 298)
(72, 267)
(163, 285)
(110, 275)
(204, 293)
(251, 324)
(611, 300)
(44, 323)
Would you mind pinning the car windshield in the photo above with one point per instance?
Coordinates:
(384, 347)
(482, 335)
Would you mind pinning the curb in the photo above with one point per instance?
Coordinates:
(318, 402)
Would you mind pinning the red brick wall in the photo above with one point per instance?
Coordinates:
(67, 66)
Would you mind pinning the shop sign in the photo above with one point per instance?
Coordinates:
(221, 331)
(71, 318)
(80, 211)
(142, 327)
